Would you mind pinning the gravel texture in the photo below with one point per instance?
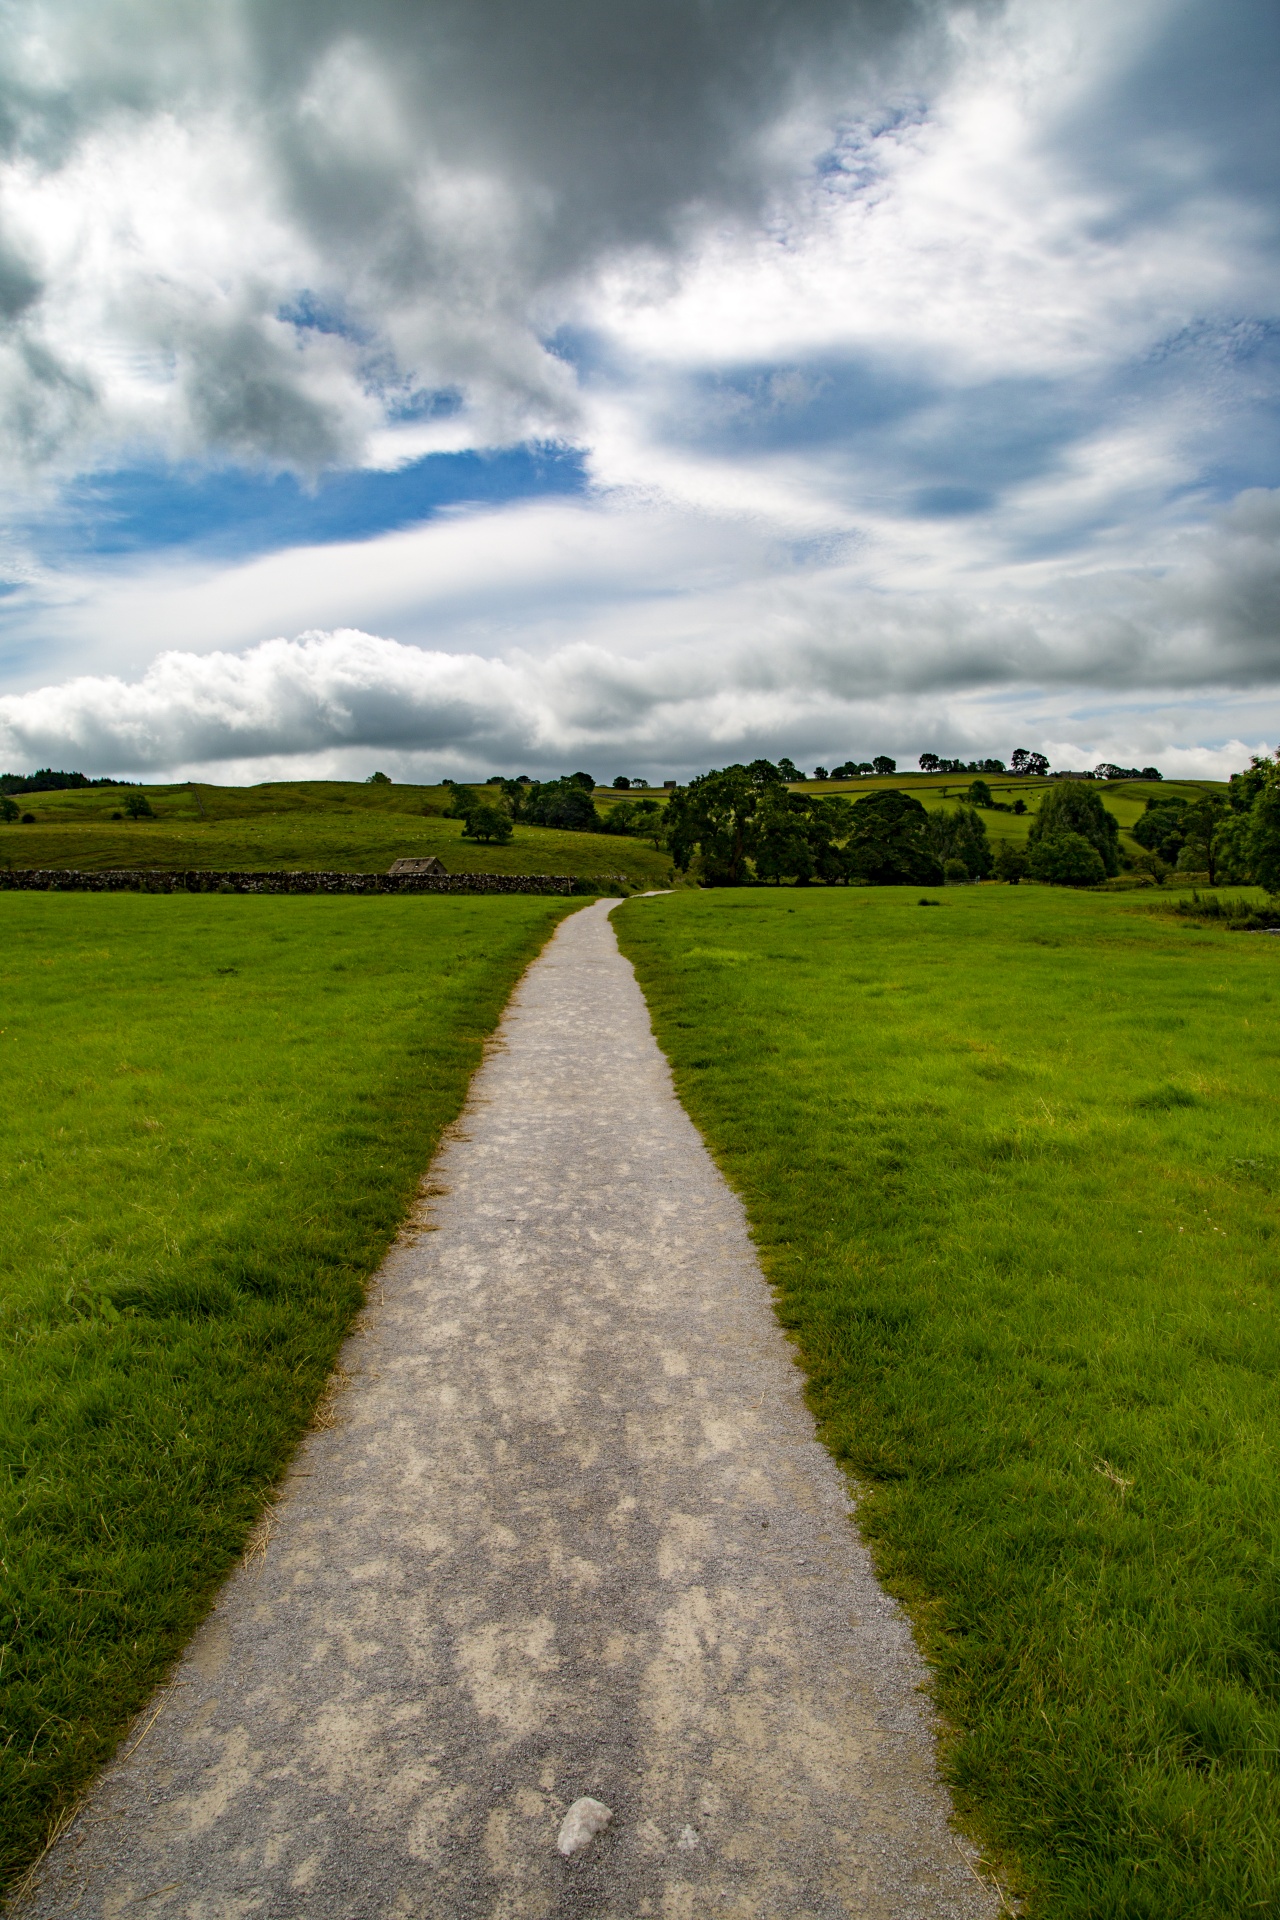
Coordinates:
(565, 1531)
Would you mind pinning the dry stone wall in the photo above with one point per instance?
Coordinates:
(124, 880)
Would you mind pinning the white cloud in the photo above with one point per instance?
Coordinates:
(908, 402)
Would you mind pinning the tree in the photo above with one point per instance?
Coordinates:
(565, 804)
(634, 817)
(715, 817)
(378, 780)
(780, 839)
(1264, 831)
(1161, 828)
(928, 763)
(1019, 805)
(1071, 807)
(1200, 824)
(8, 810)
(888, 844)
(1024, 761)
(487, 823)
(883, 764)
(584, 780)
(958, 833)
(820, 773)
(1066, 859)
(1010, 862)
(979, 794)
(138, 807)
(622, 780)
(787, 769)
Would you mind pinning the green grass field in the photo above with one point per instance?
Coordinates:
(1012, 1161)
(216, 1112)
(338, 826)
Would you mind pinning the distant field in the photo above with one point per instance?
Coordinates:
(1012, 1162)
(216, 1111)
(341, 826)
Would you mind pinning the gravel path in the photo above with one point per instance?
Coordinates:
(568, 1533)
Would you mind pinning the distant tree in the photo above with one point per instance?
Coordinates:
(1019, 805)
(138, 807)
(1244, 788)
(714, 818)
(1023, 761)
(1066, 859)
(979, 794)
(1071, 807)
(565, 803)
(992, 766)
(955, 872)
(621, 780)
(780, 839)
(634, 817)
(883, 764)
(928, 763)
(378, 780)
(1010, 862)
(8, 809)
(1201, 848)
(820, 773)
(787, 769)
(488, 823)
(1161, 828)
(1264, 831)
(888, 842)
(585, 780)
(959, 834)
(1018, 760)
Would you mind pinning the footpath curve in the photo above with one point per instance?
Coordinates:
(569, 1533)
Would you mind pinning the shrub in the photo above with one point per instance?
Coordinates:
(955, 873)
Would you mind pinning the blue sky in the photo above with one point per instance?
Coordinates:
(880, 378)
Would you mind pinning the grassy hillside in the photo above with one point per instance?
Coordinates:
(1011, 1160)
(216, 1112)
(337, 825)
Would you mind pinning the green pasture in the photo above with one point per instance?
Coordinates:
(1012, 1160)
(332, 825)
(216, 1112)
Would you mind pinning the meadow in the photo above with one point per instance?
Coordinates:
(333, 825)
(1011, 1162)
(217, 1111)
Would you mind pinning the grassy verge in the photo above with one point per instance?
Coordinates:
(216, 1111)
(1012, 1162)
(338, 826)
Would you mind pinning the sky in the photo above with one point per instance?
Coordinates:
(463, 386)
